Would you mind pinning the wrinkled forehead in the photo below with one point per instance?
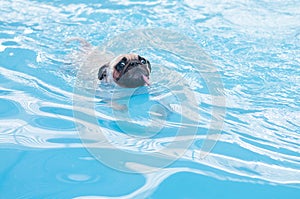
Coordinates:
(131, 56)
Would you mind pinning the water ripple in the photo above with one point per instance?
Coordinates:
(254, 45)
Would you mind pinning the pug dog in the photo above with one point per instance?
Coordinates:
(127, 70)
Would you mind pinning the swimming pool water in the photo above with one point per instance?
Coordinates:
(250, 49)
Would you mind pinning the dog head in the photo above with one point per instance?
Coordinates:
(129, 71)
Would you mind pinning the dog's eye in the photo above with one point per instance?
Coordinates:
(143, 61)
(121, 64)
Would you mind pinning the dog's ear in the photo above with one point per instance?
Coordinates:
(102, 71)
(149, 66)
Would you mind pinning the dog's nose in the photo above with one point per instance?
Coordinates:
(134, 63)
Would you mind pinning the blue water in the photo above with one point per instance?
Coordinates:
(225, 82)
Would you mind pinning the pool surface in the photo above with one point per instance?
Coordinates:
(220, 120)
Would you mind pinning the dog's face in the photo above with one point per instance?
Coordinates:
(129, 71)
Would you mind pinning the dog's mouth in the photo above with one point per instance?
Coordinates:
(133, 78)
(146, 79)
